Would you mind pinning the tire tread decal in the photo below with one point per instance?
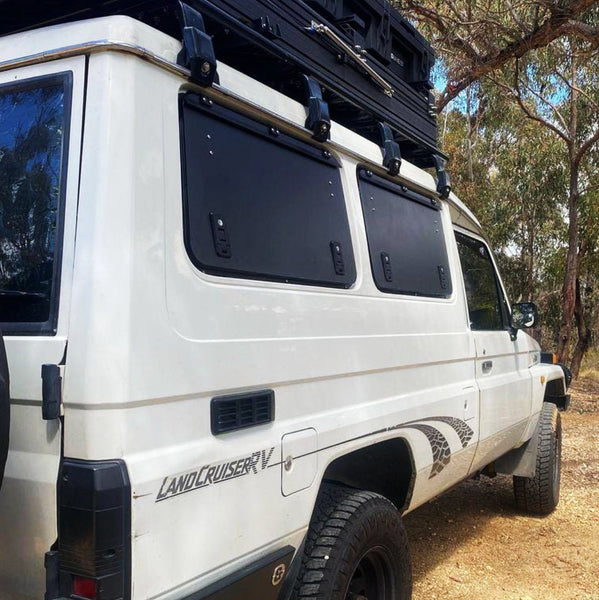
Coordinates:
(439, 446)
(464, 431)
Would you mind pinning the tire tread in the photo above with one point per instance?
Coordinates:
(536, 495)
(330, 534)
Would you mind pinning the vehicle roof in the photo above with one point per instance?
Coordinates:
(125, 34)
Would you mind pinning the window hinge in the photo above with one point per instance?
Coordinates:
(391, 151)
(318, 121)
(443, 183)
(197, 53)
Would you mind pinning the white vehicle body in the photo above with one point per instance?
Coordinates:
(145, 340)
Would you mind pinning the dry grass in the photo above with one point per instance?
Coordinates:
(589, 370)
(472, 544)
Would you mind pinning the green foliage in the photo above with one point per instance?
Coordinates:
(517, 186)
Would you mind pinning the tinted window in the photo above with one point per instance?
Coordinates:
(33, 122)
(482, 292)
(260, 204)
(405, 239)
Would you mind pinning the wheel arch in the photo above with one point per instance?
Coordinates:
(386, 467)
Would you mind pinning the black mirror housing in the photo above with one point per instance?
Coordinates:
(524, 315)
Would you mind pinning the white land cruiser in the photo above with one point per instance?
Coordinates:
(239, 350)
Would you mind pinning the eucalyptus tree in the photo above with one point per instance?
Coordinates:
(516, 188)
(544, 55)
(477, 37)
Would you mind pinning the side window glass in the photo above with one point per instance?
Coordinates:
(33, 133)
(260, 204)
(408, 254)
(482, 290)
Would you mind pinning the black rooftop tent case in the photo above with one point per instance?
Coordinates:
(358, 62)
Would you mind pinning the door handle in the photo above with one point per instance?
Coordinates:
(487, 366)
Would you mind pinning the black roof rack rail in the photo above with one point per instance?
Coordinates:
(371, 64)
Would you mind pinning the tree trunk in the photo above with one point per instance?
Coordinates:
(470, 133)
(571, 275)
(584, 334)
(530, 275)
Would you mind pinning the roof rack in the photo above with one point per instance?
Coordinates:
(371, 65)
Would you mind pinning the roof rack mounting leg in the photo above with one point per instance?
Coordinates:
(443, 183)
(197, 53)
(318, 121)
(391, 151)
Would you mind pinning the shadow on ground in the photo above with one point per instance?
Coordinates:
(439, 528)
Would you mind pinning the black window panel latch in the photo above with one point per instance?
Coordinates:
(220, 236)
(268, 29)
(319, 120)
(443, 183)
(51, 392)
(388, 272)
(197, 53)
(391, 151)
(337, 252)
(442, 277)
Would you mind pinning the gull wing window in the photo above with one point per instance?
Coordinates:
(408, 254)
(260, 204)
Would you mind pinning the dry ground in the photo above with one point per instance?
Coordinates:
(472, 544)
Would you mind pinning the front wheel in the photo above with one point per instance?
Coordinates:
(539, 495)
(356, 549)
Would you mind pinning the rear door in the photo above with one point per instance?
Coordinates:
(502, 371)
(40, 139)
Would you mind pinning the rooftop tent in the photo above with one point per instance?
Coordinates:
(372, 65)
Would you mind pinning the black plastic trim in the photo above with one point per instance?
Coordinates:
(94, 526)
(567, 373)
(293, 572)
(252, 582)
(48, 328)
(240, 411)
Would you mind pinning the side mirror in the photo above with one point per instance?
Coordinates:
(524, 315)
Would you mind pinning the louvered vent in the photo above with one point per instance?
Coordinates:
(229, 413)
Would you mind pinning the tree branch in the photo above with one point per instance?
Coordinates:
(485, 54)
(585, 147)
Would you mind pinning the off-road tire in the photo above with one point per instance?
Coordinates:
(539, 495)
(4, 408)
(355, 538)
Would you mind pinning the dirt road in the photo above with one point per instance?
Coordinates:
(472, 544)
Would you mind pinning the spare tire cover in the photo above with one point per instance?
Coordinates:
(4, 408)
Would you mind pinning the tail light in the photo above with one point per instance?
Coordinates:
(94, 530)
(85, 587)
